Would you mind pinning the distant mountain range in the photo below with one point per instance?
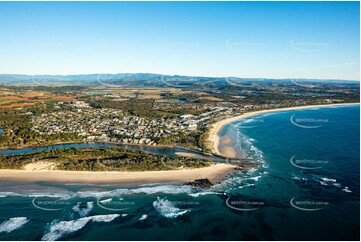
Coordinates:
(138, 79)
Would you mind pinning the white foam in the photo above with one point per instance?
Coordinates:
(106, 200)
(150, 184)
(256, 178)
(203, 194)
(8, 194)
(83, 211)
(166, 209)
(337, 184)
(58, 229)
(104, 218)
(166, 189)
(13, 224)
(253, 148)
(295, 177)
(248, 142)
(143, 217)
(35, 194)
(252, 170)
(328, 179)
(247, 185)
(346, 189)
(248, 120)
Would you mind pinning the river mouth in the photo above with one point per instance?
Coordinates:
(249, 201)
(167, 151)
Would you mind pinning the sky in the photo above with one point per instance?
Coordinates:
(317, 40)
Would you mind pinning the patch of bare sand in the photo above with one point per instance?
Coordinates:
(214, 173)
(228, 151)
(225, 140)
(40, 166)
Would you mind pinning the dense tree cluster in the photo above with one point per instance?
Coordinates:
(102, 159)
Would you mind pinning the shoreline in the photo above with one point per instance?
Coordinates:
(213, 139)
(214, 173)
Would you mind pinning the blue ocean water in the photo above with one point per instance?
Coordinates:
(307, 188)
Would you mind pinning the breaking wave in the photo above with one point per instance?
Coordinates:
(346, 189)
(13, 224)
(203, 193)
(143, 217)
(249, 177)
(58, 229)
(166, 208)
(7, 194)
(165, 189)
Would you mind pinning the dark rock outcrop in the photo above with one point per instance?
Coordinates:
(200, 183)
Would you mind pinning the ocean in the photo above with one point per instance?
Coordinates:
(306, 188)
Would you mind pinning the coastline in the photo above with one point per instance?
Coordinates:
(213, 139)
(214, 173)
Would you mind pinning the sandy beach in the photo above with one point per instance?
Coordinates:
(214, 140)
(41, 172)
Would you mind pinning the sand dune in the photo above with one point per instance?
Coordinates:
(40, 166)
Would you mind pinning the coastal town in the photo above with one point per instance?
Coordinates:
(114, 125)
(111, 125)
(145, 116)
(180, 121)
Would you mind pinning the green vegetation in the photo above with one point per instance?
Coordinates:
(102, 159)
(251, 95)
(148, 108)
(139, 107)
(17, 128)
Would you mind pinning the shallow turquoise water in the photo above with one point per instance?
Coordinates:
(307, 189)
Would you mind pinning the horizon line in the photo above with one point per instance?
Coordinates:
(134, 73)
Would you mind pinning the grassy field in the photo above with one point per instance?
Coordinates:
(10, 99)
(157, 93)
